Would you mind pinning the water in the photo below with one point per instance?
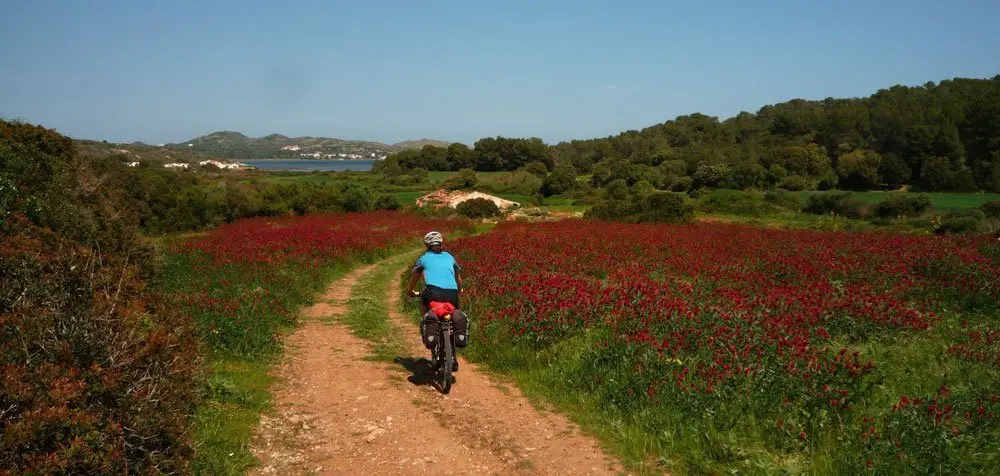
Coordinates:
(306, 165)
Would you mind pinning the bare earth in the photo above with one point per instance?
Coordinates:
(338, 413)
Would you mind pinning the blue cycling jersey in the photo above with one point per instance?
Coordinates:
(439, 269)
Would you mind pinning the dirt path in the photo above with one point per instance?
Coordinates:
(339, 413)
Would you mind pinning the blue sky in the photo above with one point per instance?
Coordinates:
(460, 70)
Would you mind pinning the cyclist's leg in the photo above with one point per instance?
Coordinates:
(425, 300)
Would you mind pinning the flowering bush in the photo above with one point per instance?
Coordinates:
(711, 329)
(97, 373)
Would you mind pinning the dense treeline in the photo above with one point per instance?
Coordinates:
(935, 137)
(98, 371)
(487, 155)
(168, 201)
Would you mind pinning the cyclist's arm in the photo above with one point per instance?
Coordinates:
(458, 276)
(415, 275)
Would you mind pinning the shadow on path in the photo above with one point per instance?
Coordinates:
(421, 369)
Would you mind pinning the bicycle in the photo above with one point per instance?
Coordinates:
(443, 356)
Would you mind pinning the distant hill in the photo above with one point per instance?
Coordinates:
(420, 143)
(142, 152)
(236, 146)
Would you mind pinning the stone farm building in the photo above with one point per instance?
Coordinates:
(444, 198)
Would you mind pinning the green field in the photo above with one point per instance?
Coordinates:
(940, 201)
(408, 198)
(484, 177)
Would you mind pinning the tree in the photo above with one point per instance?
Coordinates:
(777, 173)
(561, 180)
(712, 176)
(809, 160)
(859, 169)
(935, 174)
(643, 188)
(459, 157)
(419, 174)
(536, 168)
(894, 171)
(358, 198)
(465, 178)
(617, 190)
(749, 175)
(387, 202)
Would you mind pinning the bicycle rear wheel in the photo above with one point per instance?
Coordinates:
(447, 364)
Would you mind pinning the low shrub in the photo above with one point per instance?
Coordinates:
(465, 178)
(663, 207)
(962, 221)
(795, 183)
(478, 208)
(610, 210)
(783, 199)
(839, 203)
(658, 207)
(902, 206)
(734, 202)
(991, 208)
(387, 202)
(99, 373)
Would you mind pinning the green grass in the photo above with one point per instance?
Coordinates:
(409, 198)
(524, 200)
(940, 201)
(236, 387)
(236, 393)
(315, 178)
(235, 390)
(368, 317)
(566, 208)
(484, 177)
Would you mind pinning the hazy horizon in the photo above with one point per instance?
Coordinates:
(396, 71)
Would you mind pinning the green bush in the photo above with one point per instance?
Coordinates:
(795, 183)
(617, 190)
(734, 202)
(536, 168)
(478, 208)
(358, 198)
(783, 199)
(991, 208)
(839, 203)
(518, 182)
(99, 373)
(683, 184)
(387, 202)
(962, 221)
(658, 207)
(465, 178)
(663, 207)
(610, 210)
(902, 206)
(561, 180)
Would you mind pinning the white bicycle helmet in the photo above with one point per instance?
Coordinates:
(433, 238)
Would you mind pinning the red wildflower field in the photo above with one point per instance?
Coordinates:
(243, 283)
(729, 346)
(244, 280)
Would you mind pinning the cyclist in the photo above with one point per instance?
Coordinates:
(442, 280)
(441, 273)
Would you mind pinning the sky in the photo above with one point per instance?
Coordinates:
(459, 70)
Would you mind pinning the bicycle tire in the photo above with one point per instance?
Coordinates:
(447, 365)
